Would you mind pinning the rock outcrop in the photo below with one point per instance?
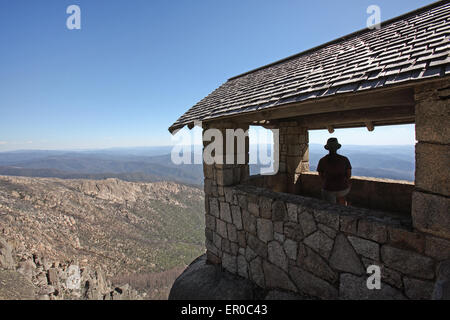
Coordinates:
(205, 281)
(25, 276)
(128, 230)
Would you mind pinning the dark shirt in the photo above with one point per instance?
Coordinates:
(334, 169)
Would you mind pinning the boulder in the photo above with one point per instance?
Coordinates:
(203, 281)
(6, 257)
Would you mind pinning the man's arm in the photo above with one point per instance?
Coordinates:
(349, 172)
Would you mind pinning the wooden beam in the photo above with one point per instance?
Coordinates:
(354, 101)
(370, 126)
(401, 114)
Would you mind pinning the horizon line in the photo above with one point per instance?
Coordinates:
(171, 146)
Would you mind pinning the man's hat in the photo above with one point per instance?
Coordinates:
(332, 144)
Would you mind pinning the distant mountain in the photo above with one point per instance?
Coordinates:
(154, 163)
(144, 165)
(393, 162)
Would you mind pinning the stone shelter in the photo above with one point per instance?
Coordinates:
(274, 230)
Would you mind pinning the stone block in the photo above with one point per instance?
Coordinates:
(212, 258)
(221, 228)
(234, 248)
(372, 230)
(290, 248)
(259, 247)
(226, 245)
(214, 207)
(327, 230)
(208, 171)
(293, 231)
(210, 188)
(344, 257)
(210, 246)
(242, 266)
(242, 239)
(275, 277)
(352, 287)
(441, 289)
(209, 234)
(432, 163)
(225, 176)
(432, 118)
(278, 226)
(408, 262)
(307, 223)
(256, 272)
(328, 218)
(366, 248)
(225, 212)
(264, 229)
(405, 239)
(229, 263)
(320, 242)
(250, 254)
(437, 248)
(265, 206)
(210, 222)
(418, 289)
(278, 211)
(242, 201)
(229, 195)
(232, 232)
(236, 217)
(253, 208)
(430, 214)
(312, 262)
(349, 224)
(249, 222)
(292, 212)
(312, 285)
(276, 255)
(279, 237)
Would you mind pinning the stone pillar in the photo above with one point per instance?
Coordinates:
(294, 153)
(218, 178)
(430, 201)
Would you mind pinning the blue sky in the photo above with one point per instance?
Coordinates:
(136, 65)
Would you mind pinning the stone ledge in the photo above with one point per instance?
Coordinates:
(307, 203)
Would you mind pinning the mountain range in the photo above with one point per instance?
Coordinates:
(151, 164)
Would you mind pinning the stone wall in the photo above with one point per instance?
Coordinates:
(372, 193)
(430, 202)
(303, 245)
(261, 229)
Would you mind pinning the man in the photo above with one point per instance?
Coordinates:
(335, 172)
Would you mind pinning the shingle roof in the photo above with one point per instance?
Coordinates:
(411, 47)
